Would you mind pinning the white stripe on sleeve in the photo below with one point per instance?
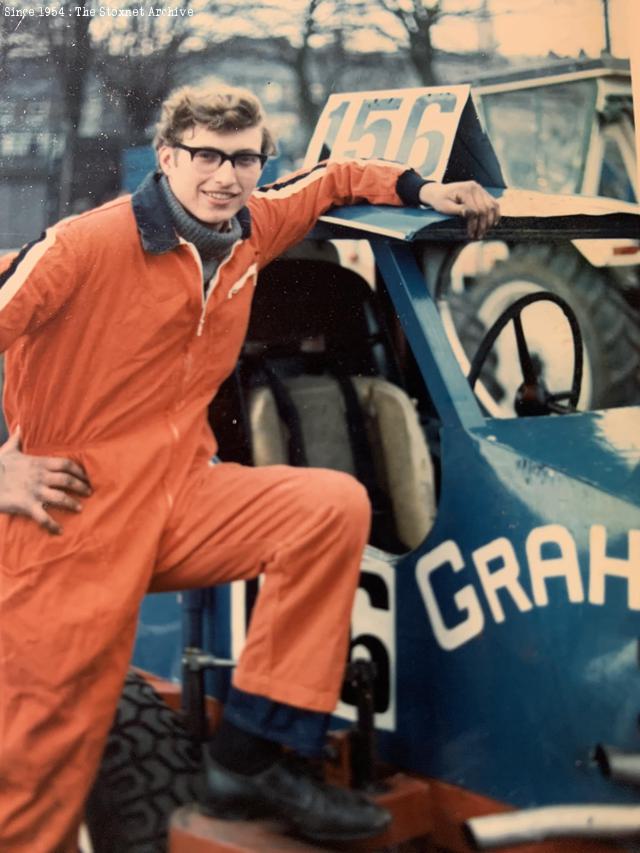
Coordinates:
(16, 280)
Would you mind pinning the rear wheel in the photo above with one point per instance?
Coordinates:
(150, 767)
(461, 321)
(610, 327)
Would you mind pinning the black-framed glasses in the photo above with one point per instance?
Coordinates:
(210, 159)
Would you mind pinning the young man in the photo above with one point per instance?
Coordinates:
(121, 324)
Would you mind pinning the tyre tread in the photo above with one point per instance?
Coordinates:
(611, 323)
(150, 767)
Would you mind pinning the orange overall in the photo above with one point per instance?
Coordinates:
(114, 355)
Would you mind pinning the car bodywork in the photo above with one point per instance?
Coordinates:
(509, 635)
(505, 627)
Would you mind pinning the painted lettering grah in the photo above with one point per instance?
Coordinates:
(499, 575)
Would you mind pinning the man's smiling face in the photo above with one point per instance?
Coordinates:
(213, 197)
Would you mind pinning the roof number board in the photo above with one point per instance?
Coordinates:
(412, 126)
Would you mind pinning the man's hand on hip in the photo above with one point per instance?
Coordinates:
(30, 484)
(467, 199)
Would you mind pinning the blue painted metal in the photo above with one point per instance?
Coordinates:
(612, 439)
(515, 711)
(158, 646)
(539, 217)
(274, 167)
(421, 322)
(136, 164)
(368, 220)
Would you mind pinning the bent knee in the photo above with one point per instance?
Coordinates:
(346, 497)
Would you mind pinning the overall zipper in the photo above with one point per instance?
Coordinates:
(175, 435)
(205, 292)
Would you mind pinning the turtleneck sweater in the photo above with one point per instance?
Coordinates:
(213, 246)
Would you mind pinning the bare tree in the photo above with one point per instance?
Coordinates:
(304, 34)
(417, 20)
(135, 58)
(316, 39)
(301, 65)
(407, 24)
(69, 49)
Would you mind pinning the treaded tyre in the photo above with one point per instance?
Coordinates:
(610, 327)
(150, 766)
(471, 331)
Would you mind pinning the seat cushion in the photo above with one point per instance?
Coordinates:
(401, 458)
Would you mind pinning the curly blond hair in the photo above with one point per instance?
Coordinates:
(216, 107)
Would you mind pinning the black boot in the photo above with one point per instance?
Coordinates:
(288, 790)
(243, 752)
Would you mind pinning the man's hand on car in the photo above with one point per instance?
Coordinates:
(467, 199)
(30, 484)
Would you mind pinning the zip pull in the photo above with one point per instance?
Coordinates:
(240, 283)
(201, 324)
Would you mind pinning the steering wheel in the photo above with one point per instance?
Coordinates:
(533, 397)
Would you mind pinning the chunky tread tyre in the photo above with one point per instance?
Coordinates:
(471, 331)
(149, 768)
(609, 325)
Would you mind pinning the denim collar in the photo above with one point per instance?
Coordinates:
(154, 221)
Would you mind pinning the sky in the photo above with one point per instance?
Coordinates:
(534, 27)
(518, 27)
